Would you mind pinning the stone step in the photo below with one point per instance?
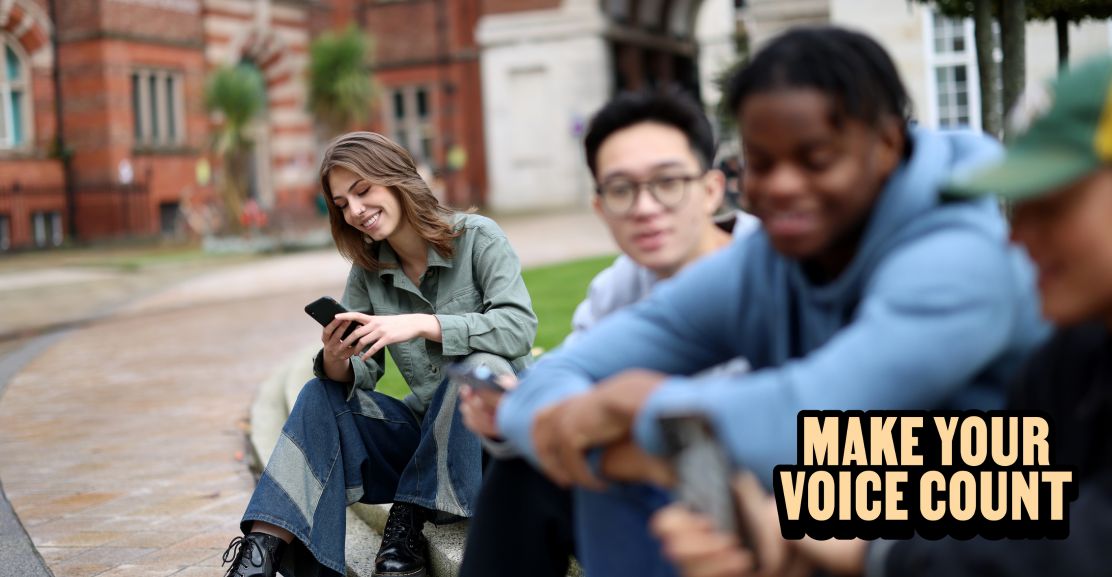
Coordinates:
(364, 522)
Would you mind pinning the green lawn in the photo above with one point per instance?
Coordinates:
(555, 289)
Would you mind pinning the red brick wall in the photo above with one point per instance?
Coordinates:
(41, 190)
(96, 78)
(502, 6)
(79, 19)
(408, 46)
(403, 32)
(42, 92)
(151, 22)
(34, 170)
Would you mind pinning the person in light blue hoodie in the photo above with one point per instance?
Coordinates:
(864, 289)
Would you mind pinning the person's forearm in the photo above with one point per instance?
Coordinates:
(430, 328)
(339, 370)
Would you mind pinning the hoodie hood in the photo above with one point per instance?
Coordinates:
(906, 206)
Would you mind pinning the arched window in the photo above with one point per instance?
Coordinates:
(15, 96)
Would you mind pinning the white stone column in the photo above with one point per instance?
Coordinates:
(544, 74)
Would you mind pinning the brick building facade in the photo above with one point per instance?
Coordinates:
(133, 124)
(489, 95)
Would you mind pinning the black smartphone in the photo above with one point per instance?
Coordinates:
(325, 309)
(479, 378)
(704, 474)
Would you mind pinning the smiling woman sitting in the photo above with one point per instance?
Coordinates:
(435, 287)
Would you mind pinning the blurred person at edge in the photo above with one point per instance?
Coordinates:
(649, 154)
(1058, 171)
(435, 286)
(850, 296)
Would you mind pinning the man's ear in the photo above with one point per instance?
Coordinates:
(596, 203)
(893, 141)
(714, 183)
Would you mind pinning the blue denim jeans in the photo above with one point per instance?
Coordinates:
(612, 532)
(370, 449)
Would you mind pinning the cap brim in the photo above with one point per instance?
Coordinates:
(1024, 174)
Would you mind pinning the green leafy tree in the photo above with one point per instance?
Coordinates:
(1064, 13)
(237, 94)
(340, 88)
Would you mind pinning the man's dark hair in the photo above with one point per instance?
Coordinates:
(852, 69)
(673, 109)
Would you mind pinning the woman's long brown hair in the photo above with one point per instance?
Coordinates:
(378, 160)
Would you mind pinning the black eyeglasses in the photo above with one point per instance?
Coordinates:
(620, 196)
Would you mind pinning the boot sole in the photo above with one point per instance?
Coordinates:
(418, 573)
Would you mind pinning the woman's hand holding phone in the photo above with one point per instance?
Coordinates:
(337, 354)
(381, 330)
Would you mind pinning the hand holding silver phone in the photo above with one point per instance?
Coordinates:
(480, 378)
(704, 475)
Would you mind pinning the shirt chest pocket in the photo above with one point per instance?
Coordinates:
(466, 300)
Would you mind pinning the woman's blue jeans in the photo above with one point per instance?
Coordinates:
(370, 449)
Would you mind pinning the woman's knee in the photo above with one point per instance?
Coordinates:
(498, 365)
(319, 396)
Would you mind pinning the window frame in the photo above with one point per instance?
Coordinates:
(5, 232)
(410, 129)
(44, 222)
(24, 86)
(965, 58)
(160, 111)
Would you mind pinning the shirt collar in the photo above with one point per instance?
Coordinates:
(388, 259)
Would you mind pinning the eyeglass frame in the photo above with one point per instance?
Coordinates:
(650, 186)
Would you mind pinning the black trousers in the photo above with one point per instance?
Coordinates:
(522, 525)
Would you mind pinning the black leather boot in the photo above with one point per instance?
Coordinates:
(256, 555)
(404, 551)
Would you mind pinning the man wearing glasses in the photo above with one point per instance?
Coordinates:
(650, 155)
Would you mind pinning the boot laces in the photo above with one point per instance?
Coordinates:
(239, 555)
(401, 523)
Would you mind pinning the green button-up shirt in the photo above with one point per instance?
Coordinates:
(477, 295)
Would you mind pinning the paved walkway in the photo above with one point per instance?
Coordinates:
(122, 444)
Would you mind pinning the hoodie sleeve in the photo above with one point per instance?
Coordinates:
(684, 326)
(933, 315)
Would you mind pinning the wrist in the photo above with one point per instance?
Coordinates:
(431, 328)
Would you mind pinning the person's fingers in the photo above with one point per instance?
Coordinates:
(507, 381)
(490, 399)
(550, 464)
(467, 410)
(330, 329)
(627, 462)
(353, 316)
(675, 523)
(761, 523)
(361, 331)
(369, 337)
(708, 554)
(380, 341)
(545, 443)
(573, 460)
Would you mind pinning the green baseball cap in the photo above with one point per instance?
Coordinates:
(1063, 132)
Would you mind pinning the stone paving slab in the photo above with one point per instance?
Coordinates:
(122, 447)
